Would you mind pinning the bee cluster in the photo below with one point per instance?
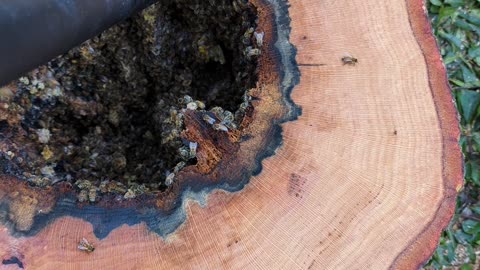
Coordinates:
(108, 115)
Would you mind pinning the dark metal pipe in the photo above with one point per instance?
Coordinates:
(32, 32)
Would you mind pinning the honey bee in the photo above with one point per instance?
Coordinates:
(92, 194)
(84, 245)
(349, 60)
(221, 127)
(207, 118)
(179, 166)
(193, 149)
(249, 51)
(169, 179)
(259, 38)
(192, 106)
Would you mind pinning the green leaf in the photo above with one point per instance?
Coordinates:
(471, 253)
(439, 255)
(476, 209)
(462, 237)
(471, 227)
(450, 59)
(474, 52)
(446, 12)
(454, 3)
(468, 75)
(463, 145)
(451, 247)
(473, 18)
(455, 41)
(457, 82)
(475, 172)
(476, 138)
(466, 267)
(468, 102)
(463, 25)
(434, 9)
(466, 26)
(436, 2)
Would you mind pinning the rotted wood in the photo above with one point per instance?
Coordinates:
(337, 167)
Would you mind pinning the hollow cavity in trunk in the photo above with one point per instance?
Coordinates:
(107, 116)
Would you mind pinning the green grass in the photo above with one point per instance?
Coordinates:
(456, 25)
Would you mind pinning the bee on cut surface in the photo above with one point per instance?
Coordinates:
(207, 118)
(221, 127)
(259, 38)
(169, 179)
(349, 60)
(84, 245)
(193, 149)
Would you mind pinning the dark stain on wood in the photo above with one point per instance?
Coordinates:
(296, 185)
(13, 260)
(234, 241)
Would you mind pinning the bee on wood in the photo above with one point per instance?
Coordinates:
(179, 166)
(82, 196)
(200, 105)
(227, 117)
(207, 118)
(192, 106)
(169, 179)
(220, 127)
(259, 38)
(92, 195)
(249, 51)
(193, 149)
(349, 60)
(84, 245)
(218, 111)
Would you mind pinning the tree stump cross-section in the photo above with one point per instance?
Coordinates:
(347, 164)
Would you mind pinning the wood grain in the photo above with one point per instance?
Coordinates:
(365, 178)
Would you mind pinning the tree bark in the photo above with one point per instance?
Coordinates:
(366, 176)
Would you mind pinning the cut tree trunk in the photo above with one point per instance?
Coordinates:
(365, 177)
